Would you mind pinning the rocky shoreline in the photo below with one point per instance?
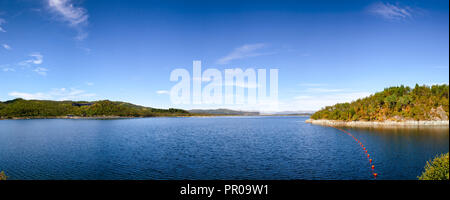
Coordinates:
(406, 124)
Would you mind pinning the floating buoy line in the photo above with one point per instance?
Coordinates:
(363, 148)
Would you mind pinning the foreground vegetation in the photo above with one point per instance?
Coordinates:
(3, 176)
(438, 169)
(20, 108)
(394, 103)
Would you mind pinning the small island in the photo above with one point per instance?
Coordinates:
(395, 106)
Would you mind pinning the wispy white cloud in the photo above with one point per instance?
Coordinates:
(55, 94)
(162, 92)
(8, 69)
(312, 84)
(6, 46)
(28, 95)
(76, 16)
(36, 59)
(317, 95)
(324, 90)
(33, 64)
(316, 102)
(89, 83)
(2, 21)
(245, 51)
(390, 12)
(41, 71)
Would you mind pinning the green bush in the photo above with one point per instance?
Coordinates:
(2, 176)
(436, 169)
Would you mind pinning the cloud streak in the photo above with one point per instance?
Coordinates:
(6, 46)
(7, 68)
(316, 102)
(34, 62)
(245, 51)
(36, 59)
(162, 92)
(41, 71)
(324, 90)
(55, 94)
(317, 96)
(76, 17)
(390, 12)
(2, 21)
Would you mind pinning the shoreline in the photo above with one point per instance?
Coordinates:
(78, 117)
(395, 124)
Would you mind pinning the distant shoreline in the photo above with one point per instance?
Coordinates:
(405, 124)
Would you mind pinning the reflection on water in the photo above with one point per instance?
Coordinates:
(408, 130)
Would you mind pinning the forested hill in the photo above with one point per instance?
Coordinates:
(20, 108)
(394, 103)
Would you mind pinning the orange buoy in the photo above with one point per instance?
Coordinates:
(370, 160)
(373, 166)
(364, 148)
(368, 155)
(375, 174)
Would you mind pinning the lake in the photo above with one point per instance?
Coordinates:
(210, 148)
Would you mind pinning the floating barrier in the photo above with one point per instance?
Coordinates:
(364, 149)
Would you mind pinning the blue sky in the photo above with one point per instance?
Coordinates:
(326, 51)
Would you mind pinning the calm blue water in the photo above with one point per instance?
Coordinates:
(209, 148)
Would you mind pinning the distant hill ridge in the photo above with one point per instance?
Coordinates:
(395, 103)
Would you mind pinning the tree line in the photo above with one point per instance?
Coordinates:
(20, 108)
